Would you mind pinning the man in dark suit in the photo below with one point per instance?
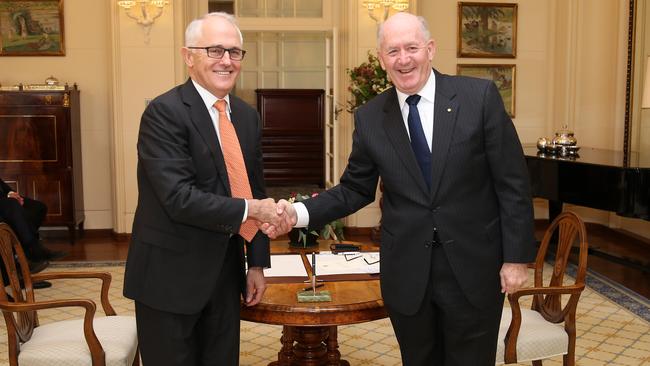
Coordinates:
(185, 267)
(457, 217)
(25, 216)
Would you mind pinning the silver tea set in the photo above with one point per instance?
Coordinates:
(563, 144)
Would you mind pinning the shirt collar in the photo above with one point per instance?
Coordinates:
(208, 98)
(428, 91)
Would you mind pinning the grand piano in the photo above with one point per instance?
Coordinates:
(596, 179)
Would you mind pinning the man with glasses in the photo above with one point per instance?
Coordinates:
(457, 217)
(201, 192)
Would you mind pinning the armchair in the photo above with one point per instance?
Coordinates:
(535, 334)
(97, 341)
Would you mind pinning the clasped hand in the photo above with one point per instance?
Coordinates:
(274, 219)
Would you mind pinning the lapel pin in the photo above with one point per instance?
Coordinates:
(448, 109)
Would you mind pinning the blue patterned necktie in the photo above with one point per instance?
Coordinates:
(418, 141)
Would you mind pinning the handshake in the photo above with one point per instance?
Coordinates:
(273, 219)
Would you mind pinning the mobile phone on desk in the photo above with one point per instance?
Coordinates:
(339, 248)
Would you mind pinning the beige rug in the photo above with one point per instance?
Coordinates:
(608, 334)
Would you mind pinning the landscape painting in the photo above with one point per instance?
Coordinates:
(31, 28)
(503, 77)
(487, 30)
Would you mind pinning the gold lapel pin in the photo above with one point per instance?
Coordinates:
(448, 109)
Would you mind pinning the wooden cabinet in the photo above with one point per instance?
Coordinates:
(292, 138)
(40, 151)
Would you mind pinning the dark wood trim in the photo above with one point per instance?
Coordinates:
(631, 31)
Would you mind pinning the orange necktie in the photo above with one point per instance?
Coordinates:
(237, 176)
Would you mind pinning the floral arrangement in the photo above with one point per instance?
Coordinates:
(366, 81)
(332, 230)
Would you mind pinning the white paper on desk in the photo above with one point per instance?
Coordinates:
(286, 265)
(334, 264)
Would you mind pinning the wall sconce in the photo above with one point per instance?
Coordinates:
(371, 5)
(150, 10)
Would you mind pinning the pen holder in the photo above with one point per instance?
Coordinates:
(311, 296)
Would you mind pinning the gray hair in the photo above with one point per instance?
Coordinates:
(194, 30)
(424, 27)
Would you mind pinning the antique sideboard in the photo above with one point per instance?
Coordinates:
(40, 150)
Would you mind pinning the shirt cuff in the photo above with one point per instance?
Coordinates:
(302, 214)
(245, 203)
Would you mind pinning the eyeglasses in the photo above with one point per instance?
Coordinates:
(217, 52)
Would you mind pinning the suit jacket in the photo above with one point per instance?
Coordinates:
(186, 216)
(479, 206)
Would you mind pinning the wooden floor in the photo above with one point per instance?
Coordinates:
(618, 256)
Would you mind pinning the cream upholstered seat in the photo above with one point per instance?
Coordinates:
(537, 338)
(535, 334)
(98, 341)
(62, 343)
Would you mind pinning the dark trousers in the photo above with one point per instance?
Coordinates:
(24, 221)
(210, 337)
(447, 329)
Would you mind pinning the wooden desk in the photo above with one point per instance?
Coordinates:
(309, 334)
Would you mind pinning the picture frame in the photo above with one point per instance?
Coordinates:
(31, 28)
(503, 76)
(487, 30)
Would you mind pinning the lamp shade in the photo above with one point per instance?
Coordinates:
(646, 86)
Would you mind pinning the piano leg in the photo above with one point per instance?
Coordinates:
(554, 209)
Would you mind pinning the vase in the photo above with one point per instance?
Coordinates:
(294, 238)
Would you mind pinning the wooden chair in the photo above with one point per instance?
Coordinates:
(97, 341)
(533, 335)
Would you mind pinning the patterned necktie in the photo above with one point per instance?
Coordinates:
(239, 185)
(418, 141)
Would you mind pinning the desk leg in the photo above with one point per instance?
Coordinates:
(333, 354)
(314, 346)
(285, 356)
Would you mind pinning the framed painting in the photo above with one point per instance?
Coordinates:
(31, 28)
(503, 77)
(487, 30)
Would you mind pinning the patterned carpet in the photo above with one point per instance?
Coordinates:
(608, 333)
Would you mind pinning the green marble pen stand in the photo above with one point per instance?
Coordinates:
(309, 296)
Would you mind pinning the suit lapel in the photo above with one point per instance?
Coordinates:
(203, 123)
(445, 114)
(396, 132)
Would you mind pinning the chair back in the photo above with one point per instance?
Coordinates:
(561, 236)
(20, 325)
